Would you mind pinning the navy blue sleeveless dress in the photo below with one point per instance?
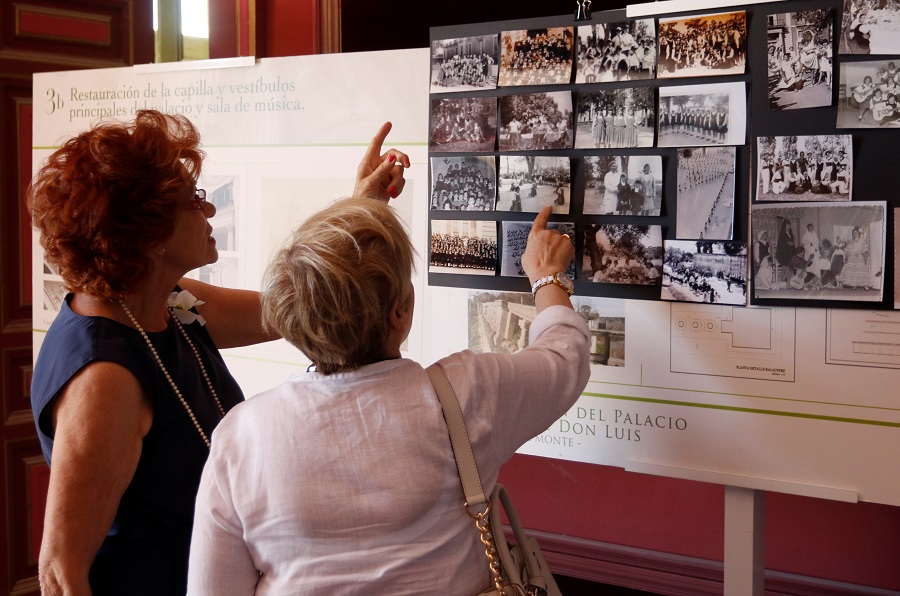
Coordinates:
(146, 549)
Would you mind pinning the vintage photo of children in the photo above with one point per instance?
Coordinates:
(702, 45)
(464, 64)
(465, 124)
(804, 168)
(705, 203)
(536, 121)
(694, 115)
(705, 271)
(608, 52)
(870, 27)
(622, 254)
(463, 247)
(536, 57)
(514, 237)
(800, 59)
(616, 118)
(623, 184)
(819, 251)
(466, 183)
(531, 182)
(872, 94)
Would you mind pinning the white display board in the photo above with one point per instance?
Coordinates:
(801, 401)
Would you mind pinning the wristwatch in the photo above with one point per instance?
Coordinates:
(560, 279)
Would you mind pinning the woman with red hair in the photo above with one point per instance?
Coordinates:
(129, 383)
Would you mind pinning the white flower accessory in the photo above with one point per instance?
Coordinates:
(180, 305)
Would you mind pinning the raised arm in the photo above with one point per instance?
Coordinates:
(547, 252)
(380, 175)
(232, 316)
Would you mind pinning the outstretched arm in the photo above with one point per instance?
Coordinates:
(380, 175)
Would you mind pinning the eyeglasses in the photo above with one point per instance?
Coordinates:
(198, 202)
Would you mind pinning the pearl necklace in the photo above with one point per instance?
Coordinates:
(166, 374)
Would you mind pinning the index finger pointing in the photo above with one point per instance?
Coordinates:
(540, 221)
(374, 150)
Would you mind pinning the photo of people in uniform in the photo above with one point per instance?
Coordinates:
(699, 115)
(623, 185)
(702, 45)
(616, 118)
(819, 251)
(705, 193)
(536, 121)
(872, 96)
(463, 183)
(463, 246)
(799, 59)
(870, 27)
(465, 124)
(531, 182)
(464, 64)
(622, 254)
(608, 52)
(804, 168)
(705, 271)
(537, 57)
(514, 237)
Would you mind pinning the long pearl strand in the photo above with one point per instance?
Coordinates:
(166, 374)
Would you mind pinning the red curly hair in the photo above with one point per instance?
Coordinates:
(109, 195)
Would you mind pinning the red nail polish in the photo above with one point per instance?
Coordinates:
(391, 190)
(391, 158)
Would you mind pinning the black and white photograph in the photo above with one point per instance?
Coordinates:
(609, 52)
(536, 121)
(703, 115)
(465, 64)
(623, 185)
(705, 203)
(616, 118)
(872, 98)
(514, 237)
(531, 182)
(467, 183)
(702, 45)
(537, 57)
(499, 324)
(819, 251)
(463, 246)
(804, 168)
(465, 124)
(705, 271)
(870, 27)
(622, 254)
(800, 59)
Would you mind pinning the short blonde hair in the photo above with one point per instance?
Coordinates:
(330, 289)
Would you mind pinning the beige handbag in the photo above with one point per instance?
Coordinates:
(517, 570)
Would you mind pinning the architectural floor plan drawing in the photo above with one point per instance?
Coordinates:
(863, 338)
(750, 343)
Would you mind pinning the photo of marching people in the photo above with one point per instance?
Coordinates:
(702, 45)
(705, 193)
(464, 64)
(537, 57)
(819, 251)
(463, 246)
(466, 125)
(615, 118)
(514, 236)
(531, 182)
(705, 271)
(609, 52)
(799, 59)
(702, 115)
(870, 27)
(622, 254)
(463, 183)
(804, 168)
(623, 184)
(872, 98)
(536, 121)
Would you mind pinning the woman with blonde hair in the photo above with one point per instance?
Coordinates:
(343, 479)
